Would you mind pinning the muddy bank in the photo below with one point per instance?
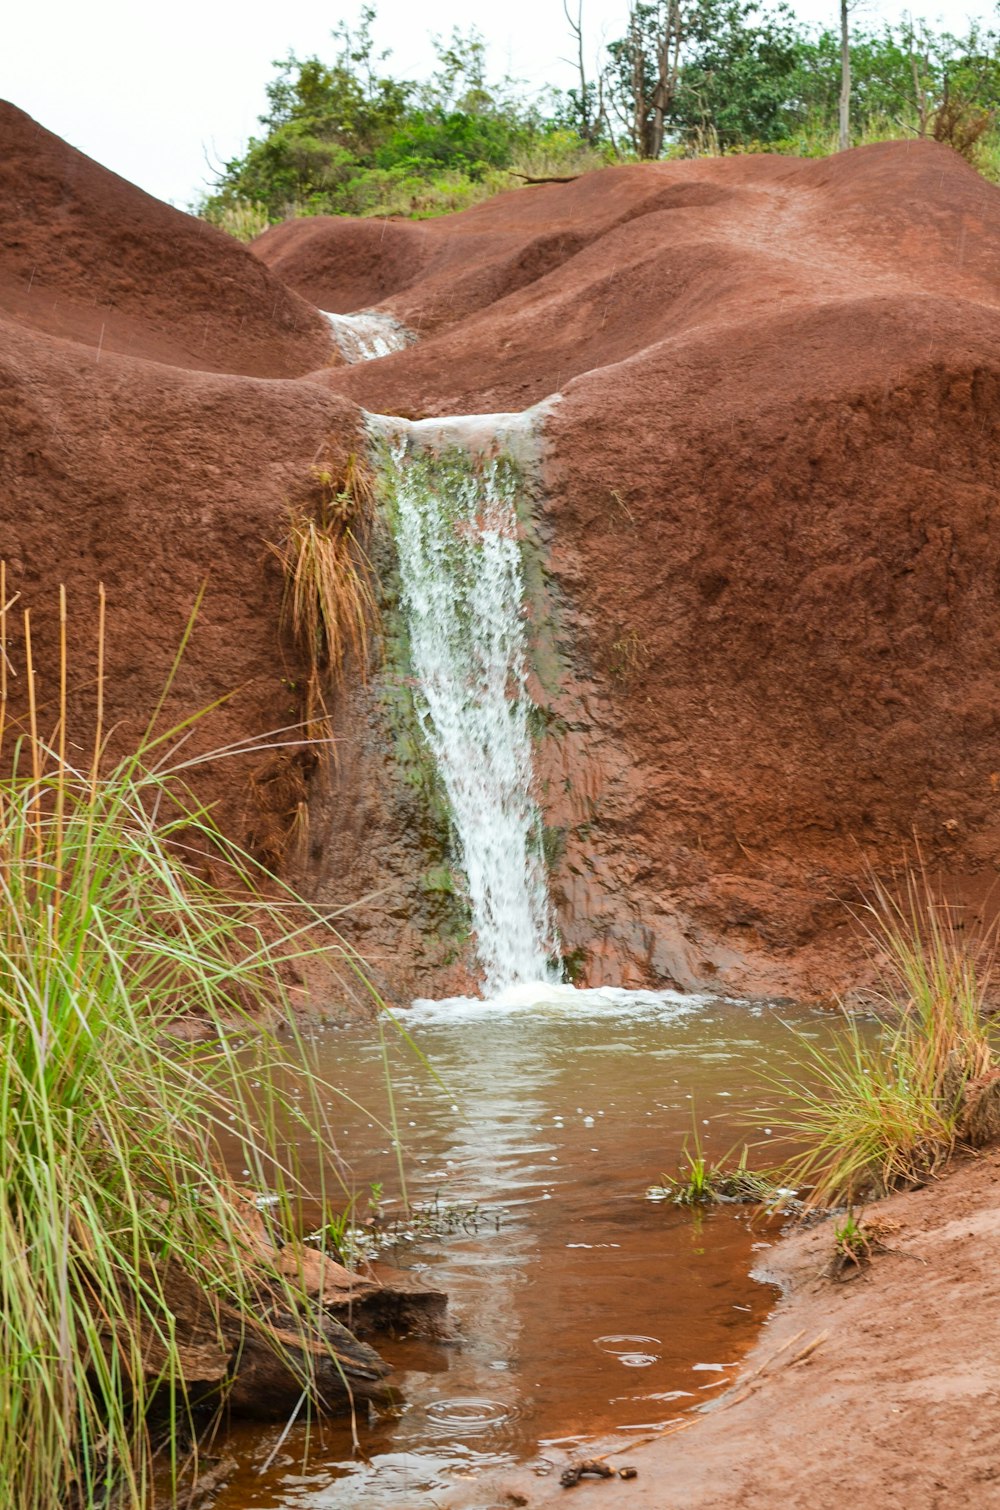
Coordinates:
(882, 1389)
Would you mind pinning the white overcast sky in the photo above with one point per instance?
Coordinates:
(152, 90)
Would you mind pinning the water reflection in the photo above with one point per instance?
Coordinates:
(583, 1308)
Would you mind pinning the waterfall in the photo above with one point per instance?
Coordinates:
(367, 335)
(462, 592)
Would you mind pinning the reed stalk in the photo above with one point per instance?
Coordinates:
(116, 1131)
(885, 1106)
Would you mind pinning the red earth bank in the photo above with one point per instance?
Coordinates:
(768, 517)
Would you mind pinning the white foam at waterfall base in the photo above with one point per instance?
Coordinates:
(462, 594)
(541, 998)
(367, 335)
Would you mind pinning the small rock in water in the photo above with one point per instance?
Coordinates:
(593, 1467)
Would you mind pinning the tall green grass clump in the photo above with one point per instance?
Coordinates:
(114, 1195)
(884, 1109)
(243, 219)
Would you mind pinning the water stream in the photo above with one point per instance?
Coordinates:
(367, 335)
(453, 499)
(584, 1308)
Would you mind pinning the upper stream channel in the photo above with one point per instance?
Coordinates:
(584, 1308)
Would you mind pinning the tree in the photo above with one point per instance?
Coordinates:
(844, 136)
(687, 68)
(644, 67)
(586, 102)
(346, 137)
(902, 78)
(349, 101)
(460, 120)
(737, 82)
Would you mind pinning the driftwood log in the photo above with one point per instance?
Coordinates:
(311, 1353)
(564, 178)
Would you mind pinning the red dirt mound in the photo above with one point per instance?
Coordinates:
(84, 254)
(771, 537)
(155, 477)
(344, 265)
(768, 527)
(703, 245)
(436, 273)
(159, 483)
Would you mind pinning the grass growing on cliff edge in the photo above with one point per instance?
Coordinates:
(880, 1111)
(112, 1178)
(329, 600)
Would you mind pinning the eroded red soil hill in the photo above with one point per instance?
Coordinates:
(87, 256)
(770, 509)
(768, 522)
(123, 461)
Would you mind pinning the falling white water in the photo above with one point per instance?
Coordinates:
(367, 335)
(462, 592)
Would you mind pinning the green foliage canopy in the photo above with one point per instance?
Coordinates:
(347, 137)
(333, 130)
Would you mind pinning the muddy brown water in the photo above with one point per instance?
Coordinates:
(584, 1308)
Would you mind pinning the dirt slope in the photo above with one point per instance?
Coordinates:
(124, 461)
(436, 272)
(158, 482)
(87, 256)
(769, 513)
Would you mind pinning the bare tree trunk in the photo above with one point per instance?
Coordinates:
(919, 93)
(845, 80)
(667, 70)
(639, 133)
(588, 125)
(654, 74)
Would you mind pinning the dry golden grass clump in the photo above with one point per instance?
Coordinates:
(329, 601)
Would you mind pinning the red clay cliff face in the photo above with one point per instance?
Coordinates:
(86, 256)
(770, 518)
(767, 518)
(148, 474)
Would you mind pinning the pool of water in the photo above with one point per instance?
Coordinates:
(584, 1308)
